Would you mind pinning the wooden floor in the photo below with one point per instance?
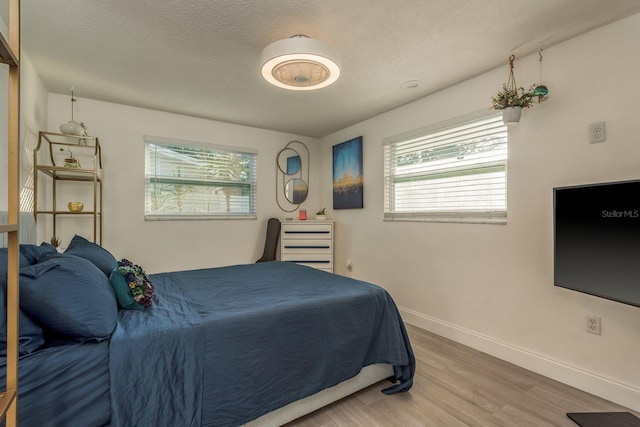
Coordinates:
(458, 386)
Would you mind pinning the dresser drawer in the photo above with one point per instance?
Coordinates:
(304, 231)
(307, 246)
(310, 260)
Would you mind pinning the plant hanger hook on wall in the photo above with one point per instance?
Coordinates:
(541, 91)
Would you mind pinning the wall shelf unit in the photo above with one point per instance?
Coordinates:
(48, 162)
(10, 55)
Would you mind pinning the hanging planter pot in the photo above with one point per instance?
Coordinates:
(541, 91)
(512, 99)
(511, 115)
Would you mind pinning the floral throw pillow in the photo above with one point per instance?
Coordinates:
(133, 288)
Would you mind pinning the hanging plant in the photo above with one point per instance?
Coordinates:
(512, 99)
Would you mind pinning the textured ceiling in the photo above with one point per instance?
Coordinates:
(201, 57)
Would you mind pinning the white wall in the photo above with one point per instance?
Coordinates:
(33, 116)
(491, 286)
(169, 245)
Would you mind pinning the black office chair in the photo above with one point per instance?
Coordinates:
(271, 242)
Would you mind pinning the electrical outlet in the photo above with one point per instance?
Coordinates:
(593, 325)
(597, 132)
(348, 264)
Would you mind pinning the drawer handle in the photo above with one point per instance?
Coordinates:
(305, 247)
(310, 262)
(306, 232)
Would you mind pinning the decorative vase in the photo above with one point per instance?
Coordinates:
(76, 207)
(73, 128)
(511, 115)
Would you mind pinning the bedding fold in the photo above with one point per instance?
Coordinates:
(156, 364)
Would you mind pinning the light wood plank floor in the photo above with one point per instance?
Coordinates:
(457, 386)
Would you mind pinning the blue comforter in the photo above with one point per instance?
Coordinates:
(224, 346)
(65, 385)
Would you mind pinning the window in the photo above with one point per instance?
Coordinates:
(188, 181)
(452, 172)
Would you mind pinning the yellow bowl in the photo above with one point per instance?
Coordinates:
(76, 206)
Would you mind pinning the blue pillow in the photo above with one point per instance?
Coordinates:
(4, 257)
(31, 336)
(33, 252)
(69, 296)
(36, 270)
(93, 252)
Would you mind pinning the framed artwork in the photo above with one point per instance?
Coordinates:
(348, 179)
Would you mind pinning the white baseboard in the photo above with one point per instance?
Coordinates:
(614, 391)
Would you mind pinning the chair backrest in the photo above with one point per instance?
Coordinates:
(271, 242)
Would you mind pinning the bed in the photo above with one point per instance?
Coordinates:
(261, 343)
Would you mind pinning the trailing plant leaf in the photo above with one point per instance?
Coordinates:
(516, 97)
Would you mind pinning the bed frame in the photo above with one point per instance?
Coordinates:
(368, 376)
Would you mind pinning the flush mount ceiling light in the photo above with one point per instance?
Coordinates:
(300, 63)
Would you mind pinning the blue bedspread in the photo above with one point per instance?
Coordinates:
(64, 386)
(224, 346)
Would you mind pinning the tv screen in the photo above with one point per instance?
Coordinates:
(597, 240)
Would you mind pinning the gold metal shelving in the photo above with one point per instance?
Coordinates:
(48, 164)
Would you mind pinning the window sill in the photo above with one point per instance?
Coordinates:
(495, 218)
(197, 217)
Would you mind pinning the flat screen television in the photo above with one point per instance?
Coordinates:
(597, 240)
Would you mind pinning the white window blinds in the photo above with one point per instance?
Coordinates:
(188, 181)
(451, 173)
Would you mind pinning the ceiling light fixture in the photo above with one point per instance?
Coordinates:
(300, 63)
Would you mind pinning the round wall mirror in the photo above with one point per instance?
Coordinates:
(296, 191)
(289, 161)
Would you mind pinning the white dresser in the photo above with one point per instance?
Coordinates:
(307, 243)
